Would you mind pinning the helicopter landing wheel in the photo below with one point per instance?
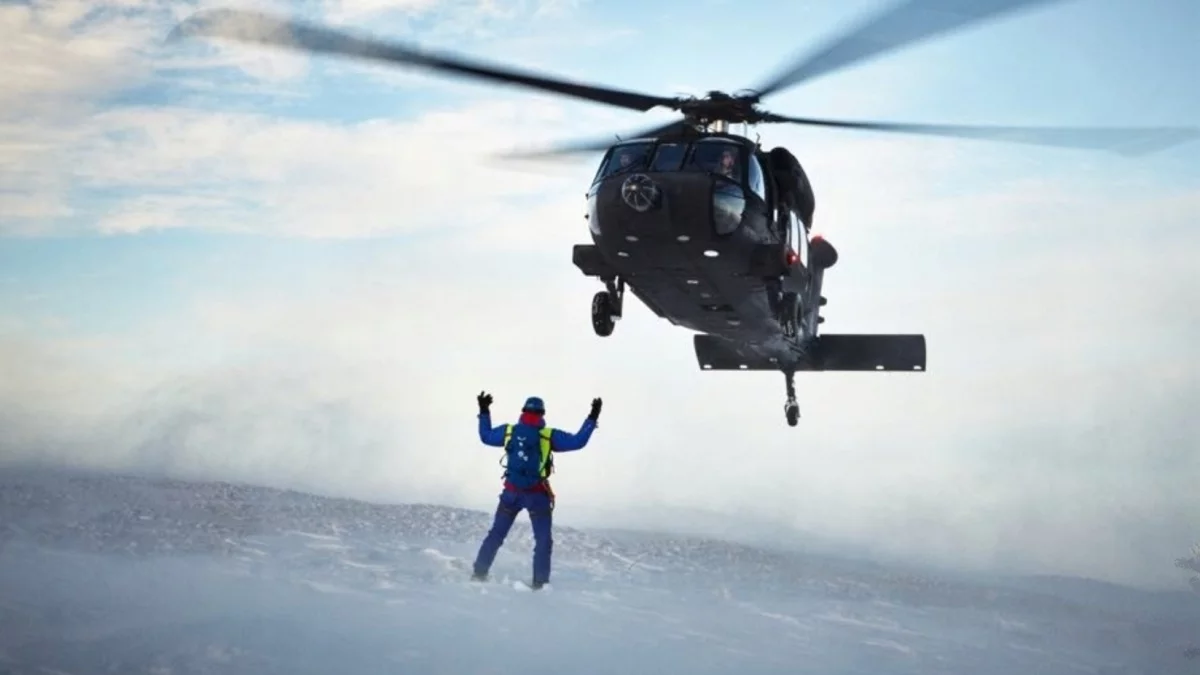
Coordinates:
(792, 411)
(603, 314)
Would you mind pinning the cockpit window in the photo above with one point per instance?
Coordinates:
(757, 183)
(720, 157)
(624, 158)
(669, 157)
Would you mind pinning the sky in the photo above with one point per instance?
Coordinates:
(230, 262)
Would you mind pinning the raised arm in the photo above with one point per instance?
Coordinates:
(489, 434)
(565, 441)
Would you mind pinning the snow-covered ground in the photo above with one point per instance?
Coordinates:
(106, 574)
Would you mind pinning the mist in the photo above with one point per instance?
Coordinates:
(1044, 451)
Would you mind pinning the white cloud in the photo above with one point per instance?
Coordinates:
(306, 178)
(155, 212)
(341, 11)
(62, 58)
(45, 61)
(199, 166)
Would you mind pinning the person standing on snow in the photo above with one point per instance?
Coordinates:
(529, 446)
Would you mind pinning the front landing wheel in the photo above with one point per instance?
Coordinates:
(603, 314)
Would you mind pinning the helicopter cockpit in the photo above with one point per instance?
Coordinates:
(736, 169)
(718, 156)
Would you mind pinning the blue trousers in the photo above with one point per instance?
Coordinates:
(540, 506)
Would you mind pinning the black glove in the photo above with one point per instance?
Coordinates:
(485, 402)
(595, 415)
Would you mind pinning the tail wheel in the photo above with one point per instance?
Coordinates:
(792, 411)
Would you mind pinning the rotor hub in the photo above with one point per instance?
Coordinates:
(720, 106)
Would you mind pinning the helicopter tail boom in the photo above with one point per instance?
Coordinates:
(847, 352)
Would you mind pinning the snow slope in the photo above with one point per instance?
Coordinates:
(109, 574)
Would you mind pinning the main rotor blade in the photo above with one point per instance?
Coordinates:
(1122, 140)
(262, 28)
(595, 144)
(899, 26)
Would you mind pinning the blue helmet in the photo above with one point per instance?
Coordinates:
(534, 404)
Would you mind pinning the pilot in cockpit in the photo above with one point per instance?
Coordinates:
(727, 166)
(622, 160)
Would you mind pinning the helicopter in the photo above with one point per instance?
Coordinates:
(707, 228)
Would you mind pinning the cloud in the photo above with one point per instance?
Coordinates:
(341, 11)
(46, 60)
(306, 178)
(140, 167)
(61, 63)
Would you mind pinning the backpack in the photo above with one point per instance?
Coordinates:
(528, 460)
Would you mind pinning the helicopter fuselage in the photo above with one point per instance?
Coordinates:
(674, 260)
(703, 246)
(706, 232)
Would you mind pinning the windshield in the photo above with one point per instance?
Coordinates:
(716, 156)
(669, 156)
(720, 157)
(627, 157)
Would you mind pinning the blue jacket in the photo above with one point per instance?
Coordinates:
(560, 441)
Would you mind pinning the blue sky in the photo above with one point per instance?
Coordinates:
(206, 250)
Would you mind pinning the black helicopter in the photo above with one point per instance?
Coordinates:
(707, 228)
